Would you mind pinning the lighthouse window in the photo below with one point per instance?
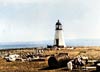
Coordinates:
(60, 27)
(57, 26)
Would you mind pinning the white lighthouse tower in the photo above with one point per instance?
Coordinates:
(59, 39)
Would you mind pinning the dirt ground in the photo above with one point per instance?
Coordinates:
(42, 66)
(32, 67)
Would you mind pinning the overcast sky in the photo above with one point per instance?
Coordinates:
(34, 20)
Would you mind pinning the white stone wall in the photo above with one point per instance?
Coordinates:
(59, 35)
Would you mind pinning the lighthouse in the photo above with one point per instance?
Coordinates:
(59, 38)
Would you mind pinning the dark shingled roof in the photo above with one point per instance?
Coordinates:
(58, 23)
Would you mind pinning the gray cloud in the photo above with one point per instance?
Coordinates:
(29, 20)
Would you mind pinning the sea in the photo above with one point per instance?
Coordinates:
(43, 44)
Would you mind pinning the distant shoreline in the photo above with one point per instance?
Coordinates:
(29, 48)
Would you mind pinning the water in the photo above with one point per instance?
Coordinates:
(71, 42)
(13, 45)
(83, 42)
